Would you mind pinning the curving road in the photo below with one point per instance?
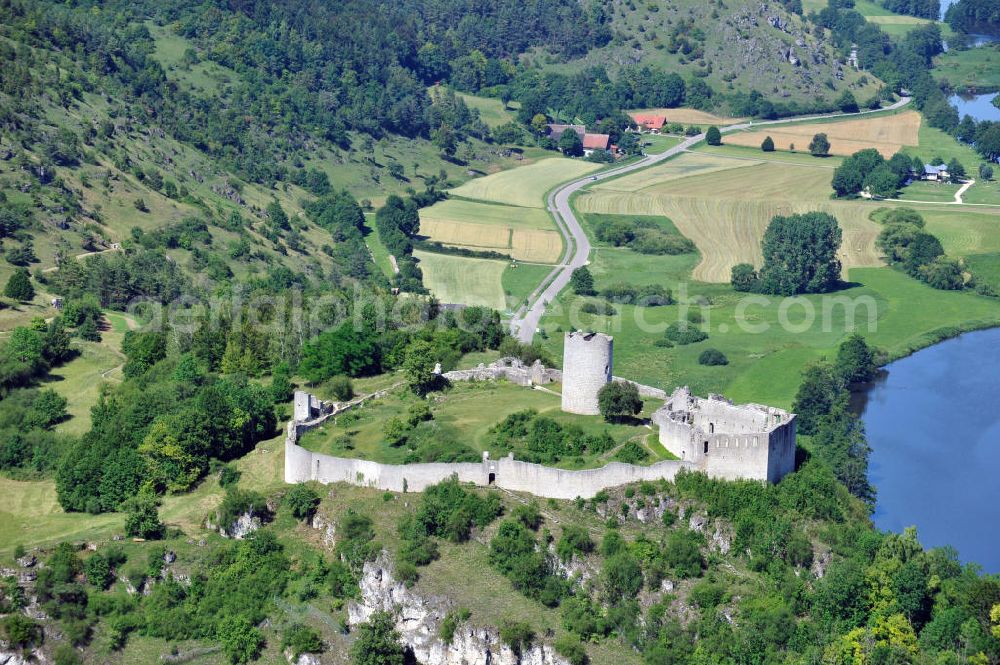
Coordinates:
(577, 252)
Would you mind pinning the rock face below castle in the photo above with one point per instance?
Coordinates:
(726, 440)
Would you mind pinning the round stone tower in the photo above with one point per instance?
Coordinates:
(587, 361)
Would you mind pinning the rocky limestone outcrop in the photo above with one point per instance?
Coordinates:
(419, 618)
(304, 659)
(17, 657)
(239, 528)
(327, 527)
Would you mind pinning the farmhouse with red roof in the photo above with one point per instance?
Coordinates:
(649, 122)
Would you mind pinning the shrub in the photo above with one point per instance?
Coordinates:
(239, 502)
(65, 654)
(683, 553)
(582, 282)
(707, 594)
(573, 540)
(517, 635)
(619, 399)
(767, 145)
(228, 476)
(631, 453)
(598, 309)
(302, 501)
(570, 648)
(341, 388)
(685, 334)
(451, 622)
(21, 631)
(819, 146)
(142, 519)
(712, 357)
(99, 569)
(301, 639)
(744, 278)
(378, 642)
(240, 639)
(19, 286)
(529, 515)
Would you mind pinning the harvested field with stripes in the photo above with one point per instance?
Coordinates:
(457, 279)
(726, 211)
(533, 245)
(888, 134)
(527, 185)
(689, 116)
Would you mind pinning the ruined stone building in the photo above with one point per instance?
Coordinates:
(727, 440)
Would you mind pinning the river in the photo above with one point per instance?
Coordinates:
(933, 421)
(980, 107)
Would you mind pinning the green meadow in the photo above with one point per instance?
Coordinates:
(459, 415)
(975, 68)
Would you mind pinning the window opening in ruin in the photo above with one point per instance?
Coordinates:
(492, 479)
(706, 446)
(711, 428)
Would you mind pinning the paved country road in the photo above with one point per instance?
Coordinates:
(577, 252)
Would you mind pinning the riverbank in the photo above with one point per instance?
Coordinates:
(932, 423)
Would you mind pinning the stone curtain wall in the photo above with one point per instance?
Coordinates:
(507, 473)
(511, 369)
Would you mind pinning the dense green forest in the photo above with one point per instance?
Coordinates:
(929, 9)
(974, 16)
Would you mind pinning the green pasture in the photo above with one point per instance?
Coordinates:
(491, 110)
(519, 280)
(935, 143)
(379, 253)
(974, 68)
(467, 411)
(656, 144)
(924, 190)
(755, 154)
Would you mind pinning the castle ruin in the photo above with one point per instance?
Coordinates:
(712, 435)
(587, 366)
(727, 440)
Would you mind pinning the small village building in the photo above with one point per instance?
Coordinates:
(592, 142)
(938, 173)
(649, 123)
(556, 131)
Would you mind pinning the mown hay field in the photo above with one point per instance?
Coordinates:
(462, 280)
(472, 212)
(525, 186)
(964, 231)
(725, 212)
(687, 165)
(887, 133)
(689, 116)
(533, 245)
